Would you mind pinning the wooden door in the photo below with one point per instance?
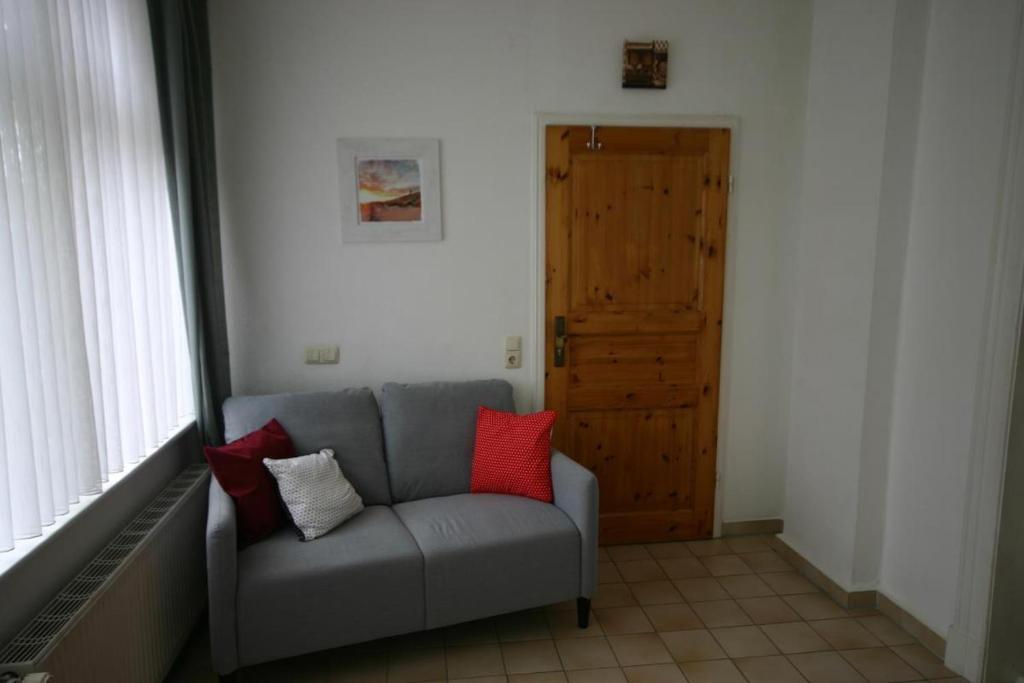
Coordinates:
(635, 239)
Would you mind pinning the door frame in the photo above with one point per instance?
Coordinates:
(967, 639)
(544, 119)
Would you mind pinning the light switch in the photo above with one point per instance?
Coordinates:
(322, 355)
(513, 352)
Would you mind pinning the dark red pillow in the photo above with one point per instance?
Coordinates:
(239, 468)
(512, 454)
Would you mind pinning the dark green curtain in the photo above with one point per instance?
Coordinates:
(181, 51)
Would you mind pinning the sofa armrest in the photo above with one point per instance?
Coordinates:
(576, 495)
(221, 573)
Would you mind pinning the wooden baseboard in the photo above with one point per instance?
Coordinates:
(848, 599)
(912, 625)
(868, 599)
(753, 526)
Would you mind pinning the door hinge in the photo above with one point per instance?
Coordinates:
(731, 183)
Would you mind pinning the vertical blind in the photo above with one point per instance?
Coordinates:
(94, 367)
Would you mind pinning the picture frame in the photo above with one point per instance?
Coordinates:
(390, 189)
(645, 64)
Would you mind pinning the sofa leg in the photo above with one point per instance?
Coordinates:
(583, 612)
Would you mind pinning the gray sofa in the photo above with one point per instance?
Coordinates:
(425, 553)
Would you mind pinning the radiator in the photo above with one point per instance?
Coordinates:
(126, 615)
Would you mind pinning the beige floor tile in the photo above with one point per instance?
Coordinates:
(825, 667)
(640, 570)
(530, 625)
(621, 620)
(545, 677)
(683, 567)
(744, 641)
(725, 565)
(597, 676)
(613, 595)
(366, 663)
(880, 665)
(788, 583)
(701, 589)
(480, 679)
(887, 631)
(417, 639)
(773, 669)
(671, 549)
(766, 561)
(692, 645)
(471, 633)
(607, 573)
(749, 544)
(654, 673)
(298, 669)
(585, 653)
(531, 656)
(715, 671)
(745, 586)
(564, 625)
(564, 606)
(655, 592)
(714, 546)
(794, 637)
(627, 553)
(416, 665)
(771, 610)
(467, 661)
(641, 648)
(923, 661)
(602, 555)
(845, 634)
(676, 617)
(721, 613)
(815, 606)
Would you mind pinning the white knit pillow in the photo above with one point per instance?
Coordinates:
(316, 493)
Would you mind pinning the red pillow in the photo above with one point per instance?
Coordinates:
(239, 468)
(512, 454)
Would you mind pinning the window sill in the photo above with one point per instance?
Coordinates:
(27, 547)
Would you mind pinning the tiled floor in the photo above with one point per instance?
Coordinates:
(703, 612)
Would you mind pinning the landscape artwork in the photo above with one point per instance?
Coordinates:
(389, 190)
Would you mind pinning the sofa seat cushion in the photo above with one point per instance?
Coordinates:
(362, 580)
(487, 554)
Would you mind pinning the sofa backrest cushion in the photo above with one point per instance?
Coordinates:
(429, 431)
(346, 421)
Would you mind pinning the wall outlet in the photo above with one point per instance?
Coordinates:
(513, 352)
(322, 355)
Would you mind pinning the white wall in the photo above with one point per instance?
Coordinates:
(957, 180)
(910, 32)
(906, 120)
(843, 162)
(290, 78)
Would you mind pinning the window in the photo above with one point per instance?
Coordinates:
(94, 368)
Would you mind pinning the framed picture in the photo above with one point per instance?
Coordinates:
(645, 65)
(390, 189)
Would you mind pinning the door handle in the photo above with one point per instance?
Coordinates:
(560, 340)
